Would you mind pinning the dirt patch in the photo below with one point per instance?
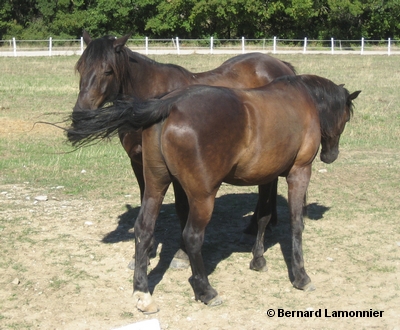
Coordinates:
(64, 263)
(13, 128)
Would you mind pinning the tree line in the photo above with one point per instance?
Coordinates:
(223, 19)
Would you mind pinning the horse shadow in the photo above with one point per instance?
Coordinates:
(232, 213)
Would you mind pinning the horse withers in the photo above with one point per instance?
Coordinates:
(202, 136)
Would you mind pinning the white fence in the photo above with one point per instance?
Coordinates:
(53, 47)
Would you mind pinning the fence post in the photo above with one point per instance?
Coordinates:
(177, 46)
(305, 45)
(332, 46)
(81, 45)
(389, 47)
(362, 45)
(211, 45)
(14, 47)
(50, 45)
(274, 49)
(242, 45)
(146, 45)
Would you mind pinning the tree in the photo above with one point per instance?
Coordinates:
(343, 21)
(380, 19)
(223, 19)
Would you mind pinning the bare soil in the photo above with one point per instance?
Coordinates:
(65, 261)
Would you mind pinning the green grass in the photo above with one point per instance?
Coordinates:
(33, 89)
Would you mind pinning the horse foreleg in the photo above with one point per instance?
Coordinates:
(264, 211)
(298, 180)
(251, 230)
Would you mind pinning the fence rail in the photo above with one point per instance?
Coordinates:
(54, 47)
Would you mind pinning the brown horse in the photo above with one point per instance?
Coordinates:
(202, 136)
(109, 71)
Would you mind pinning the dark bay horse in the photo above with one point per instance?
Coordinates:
(109, 70)
(202, 136)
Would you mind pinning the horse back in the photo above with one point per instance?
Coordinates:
(246, 71)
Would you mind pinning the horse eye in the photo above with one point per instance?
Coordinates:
(108, 73)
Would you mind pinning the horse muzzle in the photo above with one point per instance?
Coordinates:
(329, 157)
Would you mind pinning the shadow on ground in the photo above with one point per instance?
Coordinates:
(232, 212)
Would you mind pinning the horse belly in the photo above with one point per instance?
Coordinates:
(260, 169)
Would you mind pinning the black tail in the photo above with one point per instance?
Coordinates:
(103, 123)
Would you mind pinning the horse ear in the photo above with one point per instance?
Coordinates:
(120, 42)
(354, 95)
(86, 37)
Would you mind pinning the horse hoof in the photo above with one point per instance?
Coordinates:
(177, 263)
(247, 239)
(263, 269)
(145, 302)
(259, 264)
(309, 287)
(216, 301)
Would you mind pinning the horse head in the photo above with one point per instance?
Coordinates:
(101, 68)
(335, 108)
(334, 122)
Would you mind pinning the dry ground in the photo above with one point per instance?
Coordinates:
(65, 260)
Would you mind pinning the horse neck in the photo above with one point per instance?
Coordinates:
(150, 79)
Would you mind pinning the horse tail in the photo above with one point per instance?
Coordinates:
(103, 123)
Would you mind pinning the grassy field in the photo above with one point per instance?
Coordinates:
(34, 89)
(352, 252)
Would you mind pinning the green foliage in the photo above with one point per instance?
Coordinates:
(381, 19)
(321, 19)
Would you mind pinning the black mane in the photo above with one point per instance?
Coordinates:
(331, 100)
(101, 51)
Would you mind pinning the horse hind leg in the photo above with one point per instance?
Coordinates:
(193, 236)
(144, 235)
(264, 213)
(181, 259)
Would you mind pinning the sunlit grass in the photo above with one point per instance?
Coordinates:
(31, 89)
